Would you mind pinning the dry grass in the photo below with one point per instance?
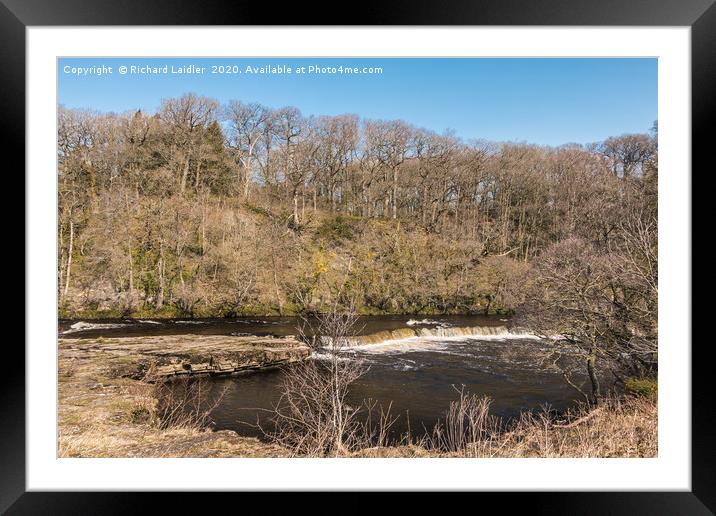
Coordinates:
(469, 428)
(103, 415)
(624, 428)
(182, 403)
(618, 428)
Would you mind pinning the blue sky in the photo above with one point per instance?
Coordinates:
(542, 101)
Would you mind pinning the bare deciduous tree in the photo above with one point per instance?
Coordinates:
(312, 416)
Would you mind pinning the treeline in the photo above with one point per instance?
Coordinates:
(205, 209)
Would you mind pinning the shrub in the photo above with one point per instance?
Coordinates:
(185, 403)
(337, 229)
(643, 387)
(140, 415)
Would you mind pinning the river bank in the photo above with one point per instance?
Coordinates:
(108, 406)
(288, 310)
(107, 401)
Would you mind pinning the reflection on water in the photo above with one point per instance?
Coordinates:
(420, 377)
(418, 374)
(261, 326)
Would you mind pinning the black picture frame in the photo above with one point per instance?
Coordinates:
(17, 15)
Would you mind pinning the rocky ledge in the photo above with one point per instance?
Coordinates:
(181, 355)
(107, 397)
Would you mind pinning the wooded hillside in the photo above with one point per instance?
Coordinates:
(205, 209)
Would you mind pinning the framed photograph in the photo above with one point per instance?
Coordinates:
(437, 250)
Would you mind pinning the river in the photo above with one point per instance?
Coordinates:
(419, 375)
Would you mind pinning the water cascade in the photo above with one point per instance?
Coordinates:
(440, 331)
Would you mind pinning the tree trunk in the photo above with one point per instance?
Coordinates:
(131, 269)
(295, 207)
(247, 178)
(488, 305)
(61, 259)
(203, 229)
(591, 370)
(275, 285)
(160, 266)
(69, 257)
(184, 175)
(395, 193)
(425, 205)
(331, 190)
(457, 206)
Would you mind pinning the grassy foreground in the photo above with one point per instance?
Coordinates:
(625, 428)
(102, 414)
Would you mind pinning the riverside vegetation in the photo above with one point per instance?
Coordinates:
(205, 209)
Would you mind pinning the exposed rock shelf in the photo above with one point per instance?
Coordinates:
(173, 355)
(105, 403)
